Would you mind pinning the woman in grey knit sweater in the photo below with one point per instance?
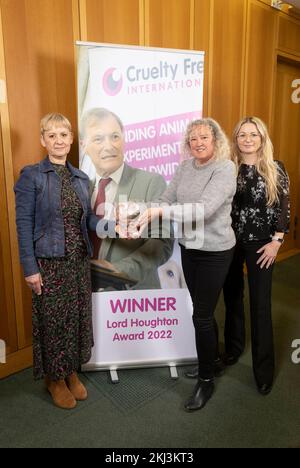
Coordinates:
(205, 179)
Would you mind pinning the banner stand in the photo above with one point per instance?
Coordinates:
(115, 378)
(145, 97)
(174, 373)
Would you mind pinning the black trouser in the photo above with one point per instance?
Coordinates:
(205, 273)
(260, 290)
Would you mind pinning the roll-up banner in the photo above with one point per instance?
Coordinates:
(134, 105)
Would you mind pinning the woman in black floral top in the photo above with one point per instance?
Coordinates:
(260, 214)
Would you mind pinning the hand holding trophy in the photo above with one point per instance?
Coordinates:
(126, 214)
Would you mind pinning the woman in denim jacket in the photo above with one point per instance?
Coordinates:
(53, 217)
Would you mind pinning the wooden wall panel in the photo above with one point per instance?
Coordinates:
(240, 37)
(202, 39)
(39, 56)
(289, 35)
(261, 60)
(167, 23)
(8, 329)
(38, 46)
(228, 51)
(112, 21)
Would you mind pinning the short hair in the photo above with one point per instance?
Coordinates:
(54, 118)
(96, 115)
(222, 147)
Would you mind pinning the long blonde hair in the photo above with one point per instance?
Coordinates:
(266, 165)
(222, 147)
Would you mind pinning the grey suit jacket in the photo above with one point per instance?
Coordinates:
(139, 258)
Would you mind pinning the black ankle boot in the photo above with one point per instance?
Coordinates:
(192, 374)
(202, 393)
(230, 359)
(219, 369)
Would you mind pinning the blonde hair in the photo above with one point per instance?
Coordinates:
(54, 118)
(266, 165)
(222, 148)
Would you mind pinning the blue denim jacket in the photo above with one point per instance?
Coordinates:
(40, 222)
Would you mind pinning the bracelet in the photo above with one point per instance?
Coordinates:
(278, 239)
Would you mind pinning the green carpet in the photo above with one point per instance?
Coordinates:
(145, 408)
(137, 388)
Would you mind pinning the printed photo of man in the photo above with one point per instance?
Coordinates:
(102, 158)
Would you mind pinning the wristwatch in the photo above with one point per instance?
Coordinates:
(278, 239)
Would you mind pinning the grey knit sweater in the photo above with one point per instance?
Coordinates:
(212, 185)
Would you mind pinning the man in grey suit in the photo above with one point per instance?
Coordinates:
(102, 146)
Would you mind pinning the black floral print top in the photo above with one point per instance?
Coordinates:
(252, 219)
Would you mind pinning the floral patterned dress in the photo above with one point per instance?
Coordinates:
(62, 316)
(252, 219)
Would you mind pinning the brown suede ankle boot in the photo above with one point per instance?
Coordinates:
(61, 395)
(77, 389)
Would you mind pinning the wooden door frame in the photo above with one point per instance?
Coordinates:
(293, 60)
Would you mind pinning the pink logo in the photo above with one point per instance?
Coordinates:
(112, 82)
